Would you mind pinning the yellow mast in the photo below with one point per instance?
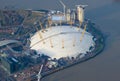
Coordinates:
(40, 25)
(71, 23)
(51, 43)
(40, 35)
(83, 32)
(62, 43)
(80, 25)
(49, 22)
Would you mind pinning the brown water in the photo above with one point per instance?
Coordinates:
(106, 14)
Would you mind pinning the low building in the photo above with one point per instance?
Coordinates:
(35, 59)
(8, 64)
(58, 18)
(51, 64)
(12, 64)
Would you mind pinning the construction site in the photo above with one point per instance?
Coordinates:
(45, 41)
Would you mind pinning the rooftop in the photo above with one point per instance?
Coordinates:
(6, 42)
(62, 41)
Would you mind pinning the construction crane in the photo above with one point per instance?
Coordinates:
(64, 7)
(39, 74)
(51, 43)
(62, 43)
(83, 32)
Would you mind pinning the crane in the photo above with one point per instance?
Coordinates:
(39, 74)
(64, 7)
(83, 32)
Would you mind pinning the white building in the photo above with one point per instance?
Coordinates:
(68, 15)
(58, 18)
(80, 14)
(59, 36)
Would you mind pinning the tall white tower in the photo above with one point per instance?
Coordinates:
(73, 16)
(68, 15)
(80, 13)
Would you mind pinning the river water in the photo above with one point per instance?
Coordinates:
(106, 14)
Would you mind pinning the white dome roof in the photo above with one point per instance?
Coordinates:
(59, 36)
